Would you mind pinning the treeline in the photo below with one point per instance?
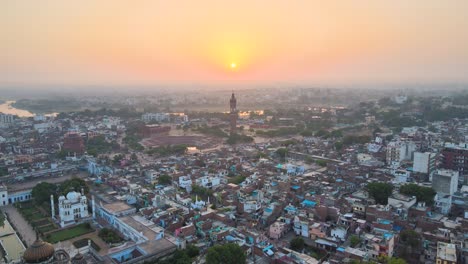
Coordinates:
(99, 145)
(239, 138)
(212, 131)
(42, 191)
(423, 194)
(168, 150)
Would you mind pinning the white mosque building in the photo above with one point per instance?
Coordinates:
(72, 208)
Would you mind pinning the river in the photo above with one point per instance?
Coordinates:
(8, 108)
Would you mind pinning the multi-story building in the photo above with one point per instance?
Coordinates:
(398, 151)
(6, 118)
(455, 157)
(73, 142)
(445, 181)
(158, 117)
(379, 244)
(424, 162)
(150, 130)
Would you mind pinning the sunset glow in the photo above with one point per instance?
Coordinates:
(180, 42)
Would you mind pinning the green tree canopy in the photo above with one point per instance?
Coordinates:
(41, 192)
(281, 152)
(73, 184)
(354, 240)
(410, 238)
(297, 243)
(192, 250)
(423, 194)
(164, 179)
(380, 191)
(226, 254)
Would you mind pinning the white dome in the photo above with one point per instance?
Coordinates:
(62, 197)
(73, 196)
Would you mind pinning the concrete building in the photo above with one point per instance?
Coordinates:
(424, 162)
(6, 118)
(73, 142)
(72, 208)
(158, 117)
(278, 230)
(398, 151)
(445, 181)
(398, 200)
(455, 157)
(446, 253)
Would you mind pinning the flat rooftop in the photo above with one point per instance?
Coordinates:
(116, 207)
(143, 226)
(446, 251)
(10, 243)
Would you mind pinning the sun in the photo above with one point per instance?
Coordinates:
(233, 65)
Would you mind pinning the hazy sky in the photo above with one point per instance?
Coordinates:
(113, 42)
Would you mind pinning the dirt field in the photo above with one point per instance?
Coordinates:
(198, 141)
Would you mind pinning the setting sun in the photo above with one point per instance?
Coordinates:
(233, 65)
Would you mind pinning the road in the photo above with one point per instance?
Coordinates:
(29, 184)
(20, 224)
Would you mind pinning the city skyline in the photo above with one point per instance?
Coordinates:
(217, 43)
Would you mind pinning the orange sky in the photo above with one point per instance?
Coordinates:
(116, 42)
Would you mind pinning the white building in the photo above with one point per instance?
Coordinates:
(398, 200)
(445, 181)
(208, 181)
(72, 208)
(185, 182)
(158, 117)
(424, 162)
(400, 99)
(443, 203)
(401, 176)
(398, 151)
(6, 118)
(252, 206)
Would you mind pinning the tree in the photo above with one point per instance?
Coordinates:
(410, 238)
(297, 243)
(134, 157)
(109, 235)
(423, 194)
(41, 192)
(321, 163)
(164, 179)
(354, 240)
(226, 254)
(117, 158)
(73, 184)
(192, 251)
(281, 152)
(380, 191)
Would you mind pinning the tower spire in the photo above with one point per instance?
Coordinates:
(233, 113)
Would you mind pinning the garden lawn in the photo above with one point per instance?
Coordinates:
(65, 234)
(46, 228)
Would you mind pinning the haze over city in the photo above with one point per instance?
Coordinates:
(234, 132)
(219, 44)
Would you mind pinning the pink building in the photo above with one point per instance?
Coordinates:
(278, 230)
